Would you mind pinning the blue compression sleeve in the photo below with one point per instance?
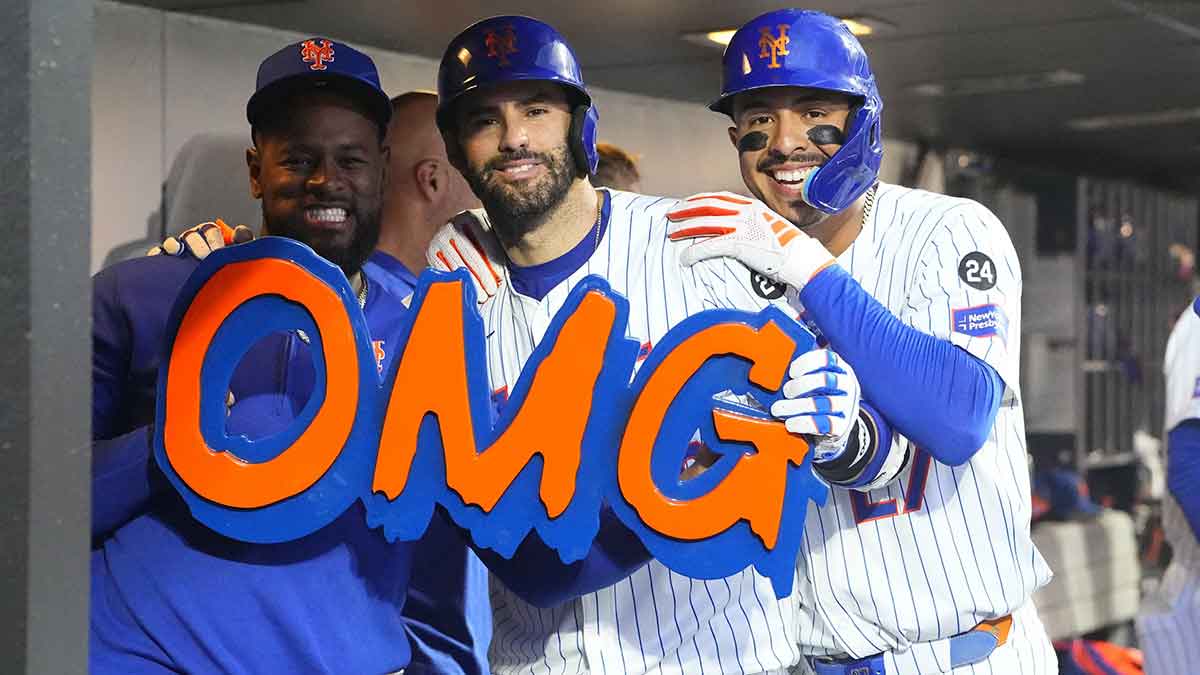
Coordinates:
(539, 576)
(939, 396)
(1183, 469)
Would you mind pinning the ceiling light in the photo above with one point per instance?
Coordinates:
(721, 37)
(859, 25)
(863, 25)
(998, 84)
(1146, 119)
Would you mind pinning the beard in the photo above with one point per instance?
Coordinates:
(804, 215)
(347, 249)
(516, 210)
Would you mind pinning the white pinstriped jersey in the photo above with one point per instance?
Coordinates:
(656, 621)
(940, 548)
(1169, 619)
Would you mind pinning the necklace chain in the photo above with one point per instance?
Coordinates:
(362, 292)
(599, 215)
(870, 203)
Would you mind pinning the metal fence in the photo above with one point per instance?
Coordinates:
(1134, 253)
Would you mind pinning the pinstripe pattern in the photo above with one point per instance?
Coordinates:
(965, 554)
(656, 621)
(1169, 621)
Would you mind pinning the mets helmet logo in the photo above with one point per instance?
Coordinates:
(317, 55)
(501, 44)
(773, 46)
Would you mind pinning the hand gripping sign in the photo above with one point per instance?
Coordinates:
(577, 432)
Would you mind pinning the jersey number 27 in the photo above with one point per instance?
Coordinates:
(866, 510)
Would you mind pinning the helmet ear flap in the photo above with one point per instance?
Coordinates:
(874, 139)
(453, 150)
(854, 168)
(582, 138)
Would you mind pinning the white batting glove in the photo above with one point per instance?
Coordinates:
(203, 239)
(821, 399)
(467, 241)
(732, 226)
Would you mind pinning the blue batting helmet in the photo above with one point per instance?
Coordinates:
(803, 48)
(509, 48)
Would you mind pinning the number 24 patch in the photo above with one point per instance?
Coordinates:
(977, 270)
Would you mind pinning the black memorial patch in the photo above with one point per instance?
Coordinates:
(765, 288)
(977, 271)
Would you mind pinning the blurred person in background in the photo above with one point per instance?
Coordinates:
(423, 192)
(617, 169)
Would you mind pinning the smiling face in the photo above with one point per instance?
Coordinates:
(514, 151)
(776, 154)
(319, 167)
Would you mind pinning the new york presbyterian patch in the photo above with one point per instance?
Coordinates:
(980, 321)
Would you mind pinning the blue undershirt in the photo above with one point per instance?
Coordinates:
(386, 270)
(939, 396)
(535, 281)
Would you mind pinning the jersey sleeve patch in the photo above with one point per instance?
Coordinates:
(765, 288)
(981, 321)
(977, 271)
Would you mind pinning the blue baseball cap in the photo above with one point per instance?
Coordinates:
(314, 63)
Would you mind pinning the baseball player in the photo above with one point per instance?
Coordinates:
(520, 124)
(1170, 616)
(929, 568)
(922, 561)
(168, 595)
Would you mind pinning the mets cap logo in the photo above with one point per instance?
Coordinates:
(501, 44)
(773, 46)
(317, 55)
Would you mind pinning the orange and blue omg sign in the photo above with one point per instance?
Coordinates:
(578, 432)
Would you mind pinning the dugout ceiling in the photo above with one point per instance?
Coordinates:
(1105, 86)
